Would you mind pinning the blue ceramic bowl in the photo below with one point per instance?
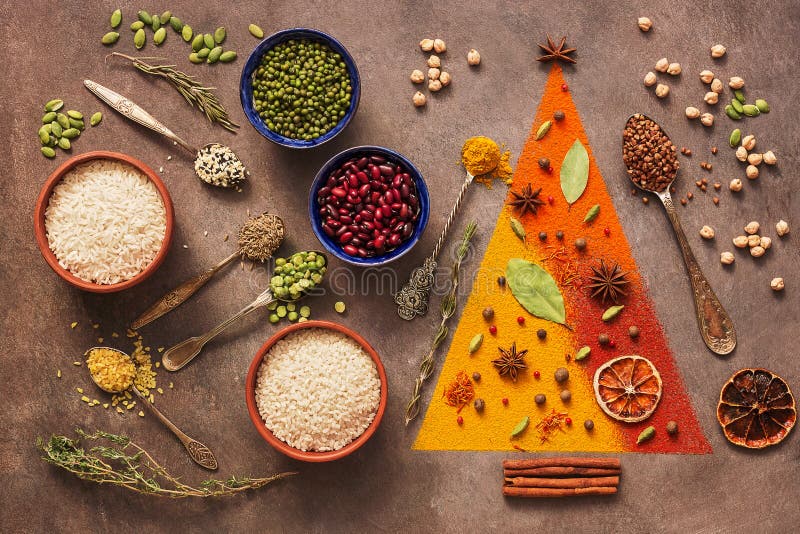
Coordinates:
(246, 89)
(321, 179)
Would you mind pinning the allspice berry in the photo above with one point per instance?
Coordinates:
(541, 333)
(580, 243)
(488, 313)
(540, 398)
(476, 376)
(544, 163)
(633, 331)
(603, 339)
(565, 395)
(672, 428)
(558, 115)
(561, 375)
(479, 404)
(588, 424)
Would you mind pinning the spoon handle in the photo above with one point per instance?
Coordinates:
(179, 295)
(716, 326)
(135, 113)
(179, 355)
(201, 454)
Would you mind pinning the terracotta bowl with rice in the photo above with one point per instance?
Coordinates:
(103, 221)
(316, 391)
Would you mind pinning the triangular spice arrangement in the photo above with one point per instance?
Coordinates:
(549, 253)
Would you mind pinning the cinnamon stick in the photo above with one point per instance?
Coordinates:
(514, 491)
(561, 471)
(606, 463)
(595, 482)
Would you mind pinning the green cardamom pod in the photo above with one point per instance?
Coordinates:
(762, 105)
(63, 120)
(646, 434)
(219, 35)
(110, 38)
(732, 113)
(543, 129)
(159, 36)
(208, 39)
(96, 118)
(75, 114)
(203, 53)
(739, 94)
(475, 343)
(186, 33)
(735, 138)
(750, 110)
(145, 17)
(176, 23)
(256, 31)
(521, 426)
(592, 213)
(612, 312)
(213, 56)
(737, 106)
(48, 152)
(194, 58)
(139, 38)
(136, 26)
(518, 229)
(71, 133)
(582, 353)
(227, 56)
(116, 18)
(48, 117)
(54, 105)
(197, 42)
(165, 17)
(56, 129)
(64, 144)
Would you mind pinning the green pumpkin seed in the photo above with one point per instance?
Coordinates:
(521, 426)
(165, 16)
(543, 129)
(762, 105)
(227, 56)
(116, 18)
(518, 229)
(305, 311)
(256, 31)
(48, 152)
(612, 312)
(139, 38)
(96, 119)
(732, 113)
(208, 40)
(75, 114)
(739, 94)
(186, 33)
(176, 23)
(54, 105)
(64, 144)
(735, 138)
(646, 434)
(203, 53)
(156, 25)
(198, 42)
(159, 36)
(219, 35)
(56, 129)
(592, 213)
(213, 56)
(194, 58)
(136, 26)
(582, 353)
(63, 120)
(44, 135)
(475, 343)
(110, 38)
(48, 117)
(71, 133)
(76, 123)
(750, 110)
(145, 17)
(737, 106)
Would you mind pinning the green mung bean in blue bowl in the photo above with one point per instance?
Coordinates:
(300, 87)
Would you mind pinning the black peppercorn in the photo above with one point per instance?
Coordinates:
(476, 376)
(544, 163)
(603, 339)
(542, 236)
(672, 428)
(633, 331)
(540, 398)
(488, 313)
(559, 235)
(541, 333)
(558, 115)
(588, 424)
(501, 281)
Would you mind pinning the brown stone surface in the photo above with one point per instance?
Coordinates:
(50, 47)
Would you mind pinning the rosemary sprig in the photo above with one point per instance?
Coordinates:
(448, 307)
(192, 91)
(126, 464)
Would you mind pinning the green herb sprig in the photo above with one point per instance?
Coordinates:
(448, 307)
(126, 464)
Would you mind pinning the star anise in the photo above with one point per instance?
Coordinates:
(511, 362)
(555, 53)
(608, 282)
(526, 200)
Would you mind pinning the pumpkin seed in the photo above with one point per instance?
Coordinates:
(518, 229)
(521, 426)
(739, 94)
(612, 312)
(56, 129)
(475, 343)
(110, 38)
(63, 120)
(48, 152)
(159, 36)
(165, 16)
(156, 24)
(139, 38)
(256, 31)
(44, 135)
(138, 25)
(735, 138)
(96, 118)
(116, 18)
(71, 133)
(762, 105)
(64, 144)
(208, 39)
(592, 213)
(176, 23)
(227, 56)
(646, 434)
(750, 110)
(737, 106)
(732, 113)
(186, 33)
(582, 353)
(198, 42)
(75, 114)
(76, 123)
(194, 58)
(203, 53)
(54, 105)
(543, 129)
(219, 35)
(145, 17)
(213, 56)
(48, 117)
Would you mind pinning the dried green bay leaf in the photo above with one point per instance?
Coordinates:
(575, 172)
(535, 290)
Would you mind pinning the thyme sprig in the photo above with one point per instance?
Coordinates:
(195, 93)
(448, 307)
(126, 464)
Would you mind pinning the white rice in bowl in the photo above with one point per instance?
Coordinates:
(105, 221)
(317, 390)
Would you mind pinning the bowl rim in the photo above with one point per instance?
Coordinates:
(43, 200)
(246, 92)
(278, 444)
(406, 246)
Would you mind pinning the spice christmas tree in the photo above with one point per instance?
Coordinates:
(557, 424)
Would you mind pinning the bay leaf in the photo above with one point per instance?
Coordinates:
(535, 290)
(575, 172)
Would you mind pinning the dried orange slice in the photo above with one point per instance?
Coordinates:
(628, 388)
(756, 408)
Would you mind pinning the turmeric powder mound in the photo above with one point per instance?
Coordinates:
(480, 155)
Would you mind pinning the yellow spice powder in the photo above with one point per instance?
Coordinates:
(480, 155)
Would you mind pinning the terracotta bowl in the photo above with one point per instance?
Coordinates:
(41, 232)
(269, 437)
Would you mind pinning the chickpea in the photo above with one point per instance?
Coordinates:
(727, 258)
(419, 99)
(439, 47)
(434, 62)
(706, 76)
(445, 78)
(644, 24)
(741, 153)
(716, 85)
(717, 51)
(765, 242)
(433, 73)
(752, 172)
(755, 159)
(777, 284)
(426, 45)
(706, 232)
(707, 119)
(692, 112)
(757, 252)
(735, 82)
(674, 69)
(434, 86)
(782, 228)
(770, 158)
(662, 91)
(749, 142)
(473, 57)
(752, 227)
(711, 98)
(740, 241)
(650, 79)
(662, 65)
(754, 241)
(735, 185)
(417, 76)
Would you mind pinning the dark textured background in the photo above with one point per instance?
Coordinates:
(49, 47)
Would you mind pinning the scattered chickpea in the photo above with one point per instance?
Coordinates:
(674, 69)
(419, 99)
(692, 112)
(755, 159)
(434, 62)
(711, 98)
(434, 85)
(754, 241)
(735, 185)
(707, 119)
(757, 251)
(445, 78)
(776, 284)
(752, 172)
(426, 45)
(740, 241)
(735, 82)
(782, 228)
(662, 91)
(770, 158)
(707, 76)
(717, 51)
(715, 200)
(650, 79)
(706, 232)
(766, 242)
(439, 46)
(473, 57)
(716, 85)
(752, 227)
(662, 65)
(644, 24)
(741, 153)
(417, 76)
(727, 258)
(433, 73)
(749, 142)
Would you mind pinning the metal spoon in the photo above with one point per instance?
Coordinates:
(201, 454)
(716, 326)
(179, 355)
(134, 112)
